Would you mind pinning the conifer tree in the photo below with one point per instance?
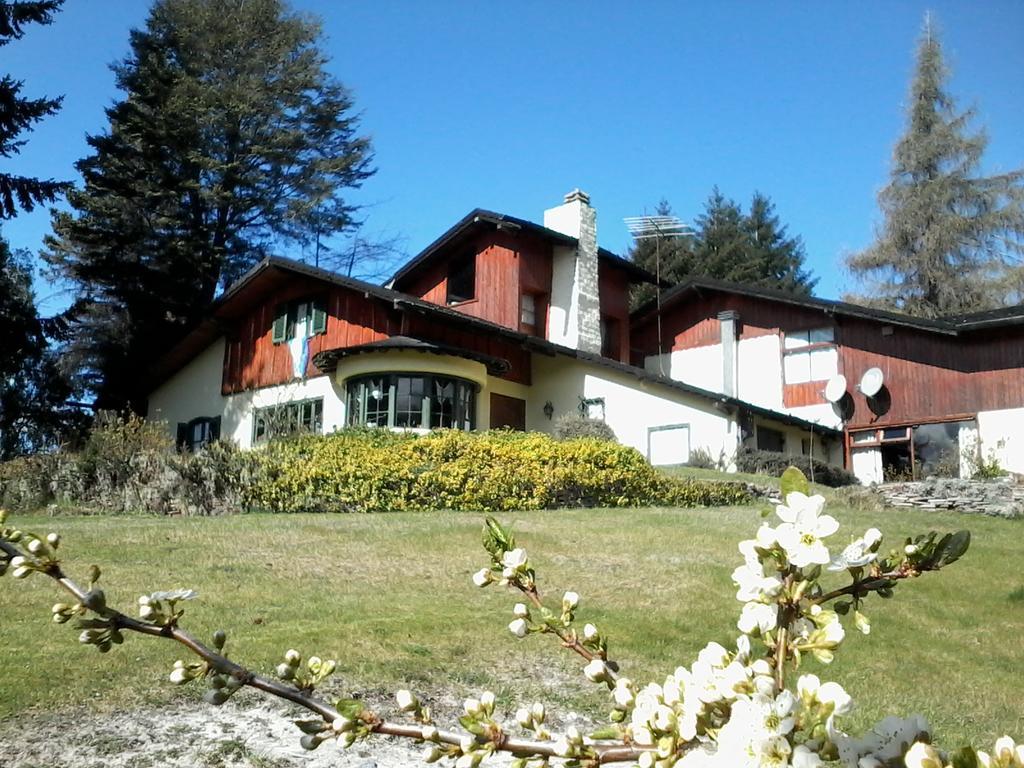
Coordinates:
(231, 140)
(951, 239)
(750, 248)
(19, 113)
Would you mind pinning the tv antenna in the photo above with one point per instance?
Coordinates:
(657, 228)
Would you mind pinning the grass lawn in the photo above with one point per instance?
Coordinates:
(390, 597)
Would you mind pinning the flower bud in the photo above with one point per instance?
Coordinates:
(35, 546)
(53, 539)
(179, 675)
(342, 724)
(219, 639)
(538, 712)
(589, 632)
(285, 671)
(432, 754)
(466, 742)
(524, 719)
(17, 561)
(472, 707)
(520, 611)
(518, 628)
(292, 657)
(910, 549)
(623, 693)
(872, 536)
(482, 577)
(646, 760)
(922, 755)
(429, 733)
(348, 739)
(487, 701)
(570, 600)
(596, 671)
(407, 702)
(515, 559)
(563, 748)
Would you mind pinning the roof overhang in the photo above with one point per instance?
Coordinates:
(327, 361)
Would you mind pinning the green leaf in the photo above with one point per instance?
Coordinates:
(843, 606)
(794, 480)
(608, 732)
(470, 724)
(310, 726)
(956, 547)
(350, 708)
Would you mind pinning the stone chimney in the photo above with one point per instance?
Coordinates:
(729, 324)
(574, 318)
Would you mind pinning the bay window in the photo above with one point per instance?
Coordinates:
(411, 401)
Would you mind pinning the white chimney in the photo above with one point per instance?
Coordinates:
(574, 318)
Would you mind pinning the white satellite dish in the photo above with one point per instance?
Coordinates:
(871, 382)
(835, 389)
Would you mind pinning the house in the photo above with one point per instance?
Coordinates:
(909, 394)
(500, 322)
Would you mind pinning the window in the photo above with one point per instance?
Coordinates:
(810, 355)
(299, 319)
(528, 311)
(610, 341)
(411, 401)
(462, 279)
(770, 439)
(198, 433)
(287, 419)
(592, 408)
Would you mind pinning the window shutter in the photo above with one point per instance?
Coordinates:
(279, 332)
(182, 440)
(215, 428)
(319, 321)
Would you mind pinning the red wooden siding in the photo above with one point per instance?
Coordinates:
(252, 360)
(930, 376)
(613, 290)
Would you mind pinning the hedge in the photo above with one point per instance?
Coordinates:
(377, 471)
(132, 466)
(772, 463)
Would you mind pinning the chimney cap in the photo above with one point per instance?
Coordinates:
(578, 194)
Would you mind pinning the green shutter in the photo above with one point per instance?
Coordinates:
(279, 331)
(319, 322)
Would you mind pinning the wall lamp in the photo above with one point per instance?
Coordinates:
(549, 409)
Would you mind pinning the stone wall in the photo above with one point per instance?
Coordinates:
(998, 498)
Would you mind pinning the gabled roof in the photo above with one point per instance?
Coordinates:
(479, 219)
(259, 280)
(949, 326)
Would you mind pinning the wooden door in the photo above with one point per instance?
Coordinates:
(508, 412)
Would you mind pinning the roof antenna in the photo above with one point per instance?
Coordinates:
(657, 228)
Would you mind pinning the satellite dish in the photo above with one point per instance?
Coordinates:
(871, 382)
(835, 388)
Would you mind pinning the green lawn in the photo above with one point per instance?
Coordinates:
(390, 597)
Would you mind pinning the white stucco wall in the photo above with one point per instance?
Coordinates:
(631, 407)
(699, 366)
(193, 391)
(760, 372)
(867, 464)
(563, 317)
(1002, 432)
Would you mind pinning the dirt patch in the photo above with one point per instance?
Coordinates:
(194, 736)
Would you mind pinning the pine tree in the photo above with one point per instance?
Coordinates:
(33, 414)
(18, 113)
(231, 140)
(951, 240)
(773, 259)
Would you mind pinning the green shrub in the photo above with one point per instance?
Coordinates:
(772, 463)
(129, 465)
(352, 471)
(571, 426)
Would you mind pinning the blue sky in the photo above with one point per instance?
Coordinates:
(508, 106)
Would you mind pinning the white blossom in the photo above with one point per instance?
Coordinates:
(482, 577)
(589, 632)
(758, 616)
(570, 600)
(514, 559)
(856, 555)
(520, 611)
(922, 755)
(519, 628)
(407, 701)
(596, 671)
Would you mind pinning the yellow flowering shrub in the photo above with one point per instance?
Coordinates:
(379, 471)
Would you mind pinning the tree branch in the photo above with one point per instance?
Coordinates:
(616, 752)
